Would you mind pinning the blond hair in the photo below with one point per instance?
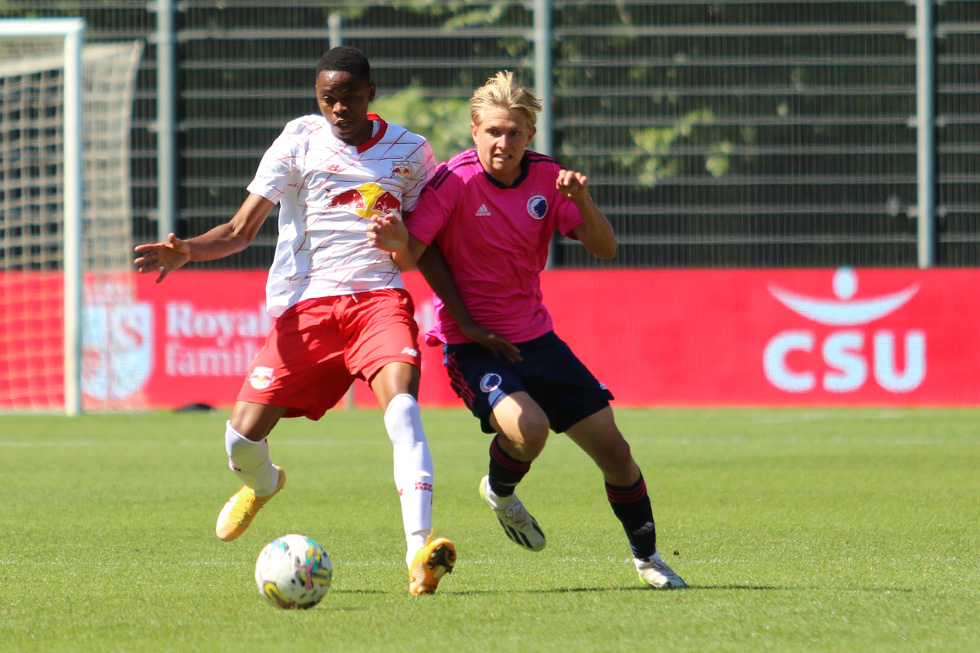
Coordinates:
(500, 92)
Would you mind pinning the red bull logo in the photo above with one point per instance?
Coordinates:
(387, 203)
(261, 377)
(400, 169)
(368, 201)
(351, 198)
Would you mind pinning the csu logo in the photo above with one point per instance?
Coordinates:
(843, 349)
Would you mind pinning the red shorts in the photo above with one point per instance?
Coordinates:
(319, 346)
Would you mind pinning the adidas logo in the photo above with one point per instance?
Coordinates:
(414, 353)
(646, 529)
(483, 211)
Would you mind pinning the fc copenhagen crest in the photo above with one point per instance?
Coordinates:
(537, 207)
(490, 382)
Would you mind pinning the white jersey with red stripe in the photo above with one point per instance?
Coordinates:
(328, 191)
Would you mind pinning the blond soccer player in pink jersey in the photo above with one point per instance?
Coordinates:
(340, 307)
(493, 211)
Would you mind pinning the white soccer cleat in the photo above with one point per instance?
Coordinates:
(517, 523)
(657, 574)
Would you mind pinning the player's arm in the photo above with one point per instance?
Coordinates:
(437, 274)
(595, 232)
(224, 240)
(388, 233)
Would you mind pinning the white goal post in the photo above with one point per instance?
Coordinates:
(65, 210)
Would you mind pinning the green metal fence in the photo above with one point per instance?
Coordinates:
(715, 134)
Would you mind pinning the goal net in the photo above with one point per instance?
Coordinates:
(66, 281)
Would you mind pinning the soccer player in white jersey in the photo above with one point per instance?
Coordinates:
(494, 210)
(340, 307)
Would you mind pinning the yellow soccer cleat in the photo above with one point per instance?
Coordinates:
(429, 564)
(239, 511)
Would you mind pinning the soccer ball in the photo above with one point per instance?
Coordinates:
(293, 572)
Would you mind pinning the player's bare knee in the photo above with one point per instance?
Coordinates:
(616, 462)
(621, 455)
(254, 421)
(534, 428)
(525, 437)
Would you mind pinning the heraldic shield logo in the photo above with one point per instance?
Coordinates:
(117, 350)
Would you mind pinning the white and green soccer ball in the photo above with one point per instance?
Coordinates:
(293, 572)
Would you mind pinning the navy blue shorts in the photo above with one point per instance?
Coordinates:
(550, 373)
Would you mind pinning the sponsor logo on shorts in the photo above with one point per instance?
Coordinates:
(490, 382)
(537, 207)
(261, 378)
(414, 353)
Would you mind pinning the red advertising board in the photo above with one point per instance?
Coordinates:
(895, 337)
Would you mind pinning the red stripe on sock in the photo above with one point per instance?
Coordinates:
(630, 494)
(500, 457)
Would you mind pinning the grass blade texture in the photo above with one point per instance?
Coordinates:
(797, 530)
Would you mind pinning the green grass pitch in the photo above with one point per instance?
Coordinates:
(798, 530)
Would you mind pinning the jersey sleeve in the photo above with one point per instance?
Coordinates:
(435, 205)
(280, 165)
(567, 215)
(419, 175)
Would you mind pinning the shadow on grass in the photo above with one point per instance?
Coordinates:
(689, 588)
(870, 590)
(640, 588)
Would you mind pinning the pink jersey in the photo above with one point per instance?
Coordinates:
(495, 241)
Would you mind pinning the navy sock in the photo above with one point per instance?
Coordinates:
(631, 506)
(505, 472)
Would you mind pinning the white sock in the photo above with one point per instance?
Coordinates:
(250, 462)
(415, 541)
(413, 469)
(496, 501)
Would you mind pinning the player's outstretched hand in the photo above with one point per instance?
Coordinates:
(162, 257)
(387, 232)
(499, 345)
(571, 184)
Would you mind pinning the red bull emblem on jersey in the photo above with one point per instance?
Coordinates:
(351, 197)
(400, 169)
(387, 203)
(368, 200)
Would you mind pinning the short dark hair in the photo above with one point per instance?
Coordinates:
(345, 59)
